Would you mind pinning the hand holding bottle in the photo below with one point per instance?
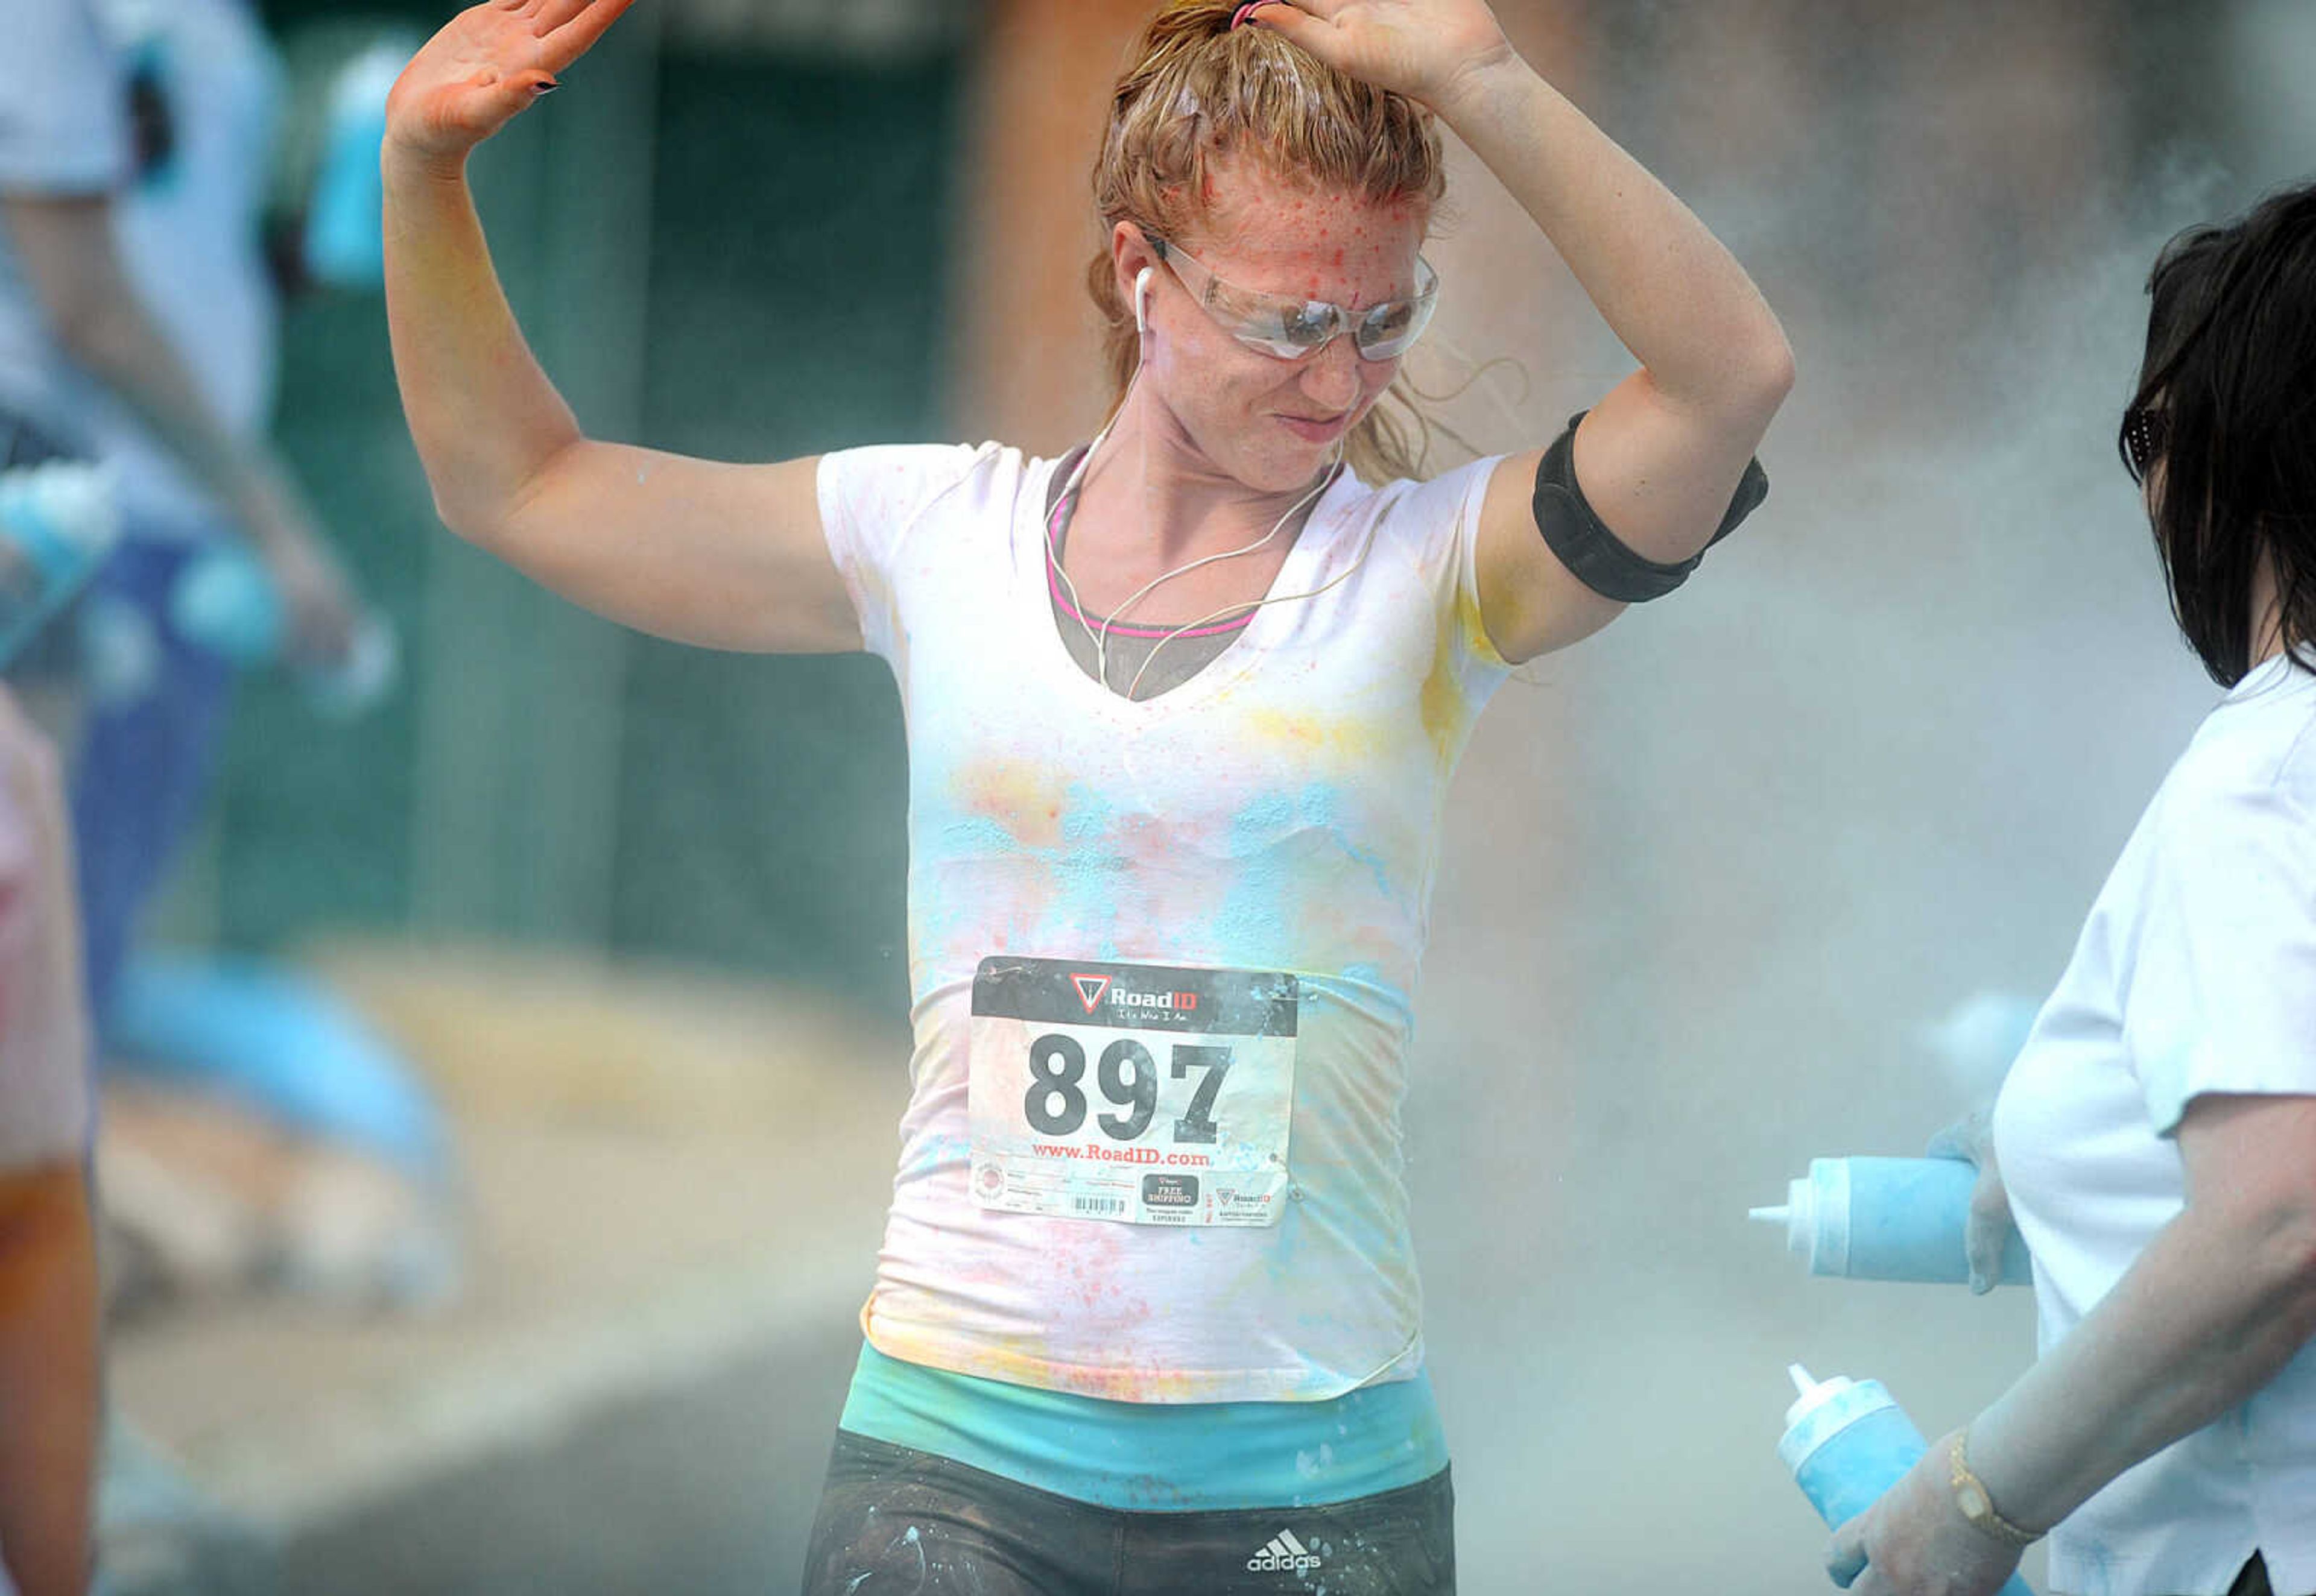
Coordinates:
(1989, 1227)
(1915, 1542)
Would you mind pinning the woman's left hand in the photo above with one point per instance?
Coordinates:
(1421, 49)
(1915, 1542)
(1986, 1231)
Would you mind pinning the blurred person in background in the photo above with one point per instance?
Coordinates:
(136, 325)
(47, 1247)
(1181, 708)
(2156, 1137)
(138, 315)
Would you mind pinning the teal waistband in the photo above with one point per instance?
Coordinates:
(1155, 1457)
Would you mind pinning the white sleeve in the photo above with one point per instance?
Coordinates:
(870, 499)
(1437, 522)
(1475, 650)
(2221, 993)
(63, 122)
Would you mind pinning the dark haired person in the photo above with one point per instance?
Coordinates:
(2157, 1134)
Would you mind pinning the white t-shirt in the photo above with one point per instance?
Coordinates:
(63, 132)
(2196, 972)
(190, 237)
(1277, 813)
(188, 231)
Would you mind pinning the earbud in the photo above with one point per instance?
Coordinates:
(1142, 301)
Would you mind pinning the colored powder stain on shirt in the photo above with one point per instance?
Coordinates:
(1091, 816)
(1252, 928)
(1024, 798)
(1321, 810)
(937, 1152)
(1447, 709)
(1442, 700)
(979, 833)
(1277, 842)
(1346, 742)
(1259, 824)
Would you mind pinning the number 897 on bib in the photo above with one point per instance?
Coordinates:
(1144, 1093)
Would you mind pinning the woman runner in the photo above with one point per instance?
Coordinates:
(1181, 709)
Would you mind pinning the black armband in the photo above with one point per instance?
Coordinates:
(1599, 559)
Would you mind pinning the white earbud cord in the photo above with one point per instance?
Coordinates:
(1100, 637)
(1348, 571)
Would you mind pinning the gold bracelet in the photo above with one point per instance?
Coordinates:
(1974, 1505)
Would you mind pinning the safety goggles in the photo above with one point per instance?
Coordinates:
(1291, 328)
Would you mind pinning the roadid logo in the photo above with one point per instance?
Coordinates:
(1097, 992)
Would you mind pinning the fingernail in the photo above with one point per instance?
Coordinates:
(548, 87)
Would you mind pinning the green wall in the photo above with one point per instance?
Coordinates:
(734, 257)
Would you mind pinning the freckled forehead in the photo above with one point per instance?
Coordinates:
(1268, 232)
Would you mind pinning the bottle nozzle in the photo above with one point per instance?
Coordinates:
(1780, 1213)
(1804, 1382)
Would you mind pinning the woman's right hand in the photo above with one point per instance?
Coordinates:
(1986, 1231)
(485, 66)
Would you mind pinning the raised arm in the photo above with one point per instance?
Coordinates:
(727, 555)
(1660, 454)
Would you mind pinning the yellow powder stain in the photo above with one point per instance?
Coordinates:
(1345, 738)
(1447, 710)
(1029, 1362)
(1025, 798)
(1442, 701)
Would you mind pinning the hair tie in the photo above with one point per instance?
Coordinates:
(1240, 16)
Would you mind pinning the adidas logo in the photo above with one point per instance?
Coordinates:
(1285, 1553)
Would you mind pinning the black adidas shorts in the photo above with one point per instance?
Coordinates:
(898, 1523)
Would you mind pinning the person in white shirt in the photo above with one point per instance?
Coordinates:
(1183, 706)
(137, 327)
(2157, 1133)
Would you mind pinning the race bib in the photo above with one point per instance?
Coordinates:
(1137, 1093)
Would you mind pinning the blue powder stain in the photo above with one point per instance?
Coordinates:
(1087, 816)
(1257, 826)
(937, 1151)
(1078, 902)
(1321, 810)
(1360, 986)
(1252, 928)
(973, 834)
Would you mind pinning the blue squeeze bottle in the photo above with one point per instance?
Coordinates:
(1887, 1219)
(343, 245)
(58, 522)
(1847, 1442)
(226, 602)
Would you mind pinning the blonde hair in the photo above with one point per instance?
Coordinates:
(1196, 90)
